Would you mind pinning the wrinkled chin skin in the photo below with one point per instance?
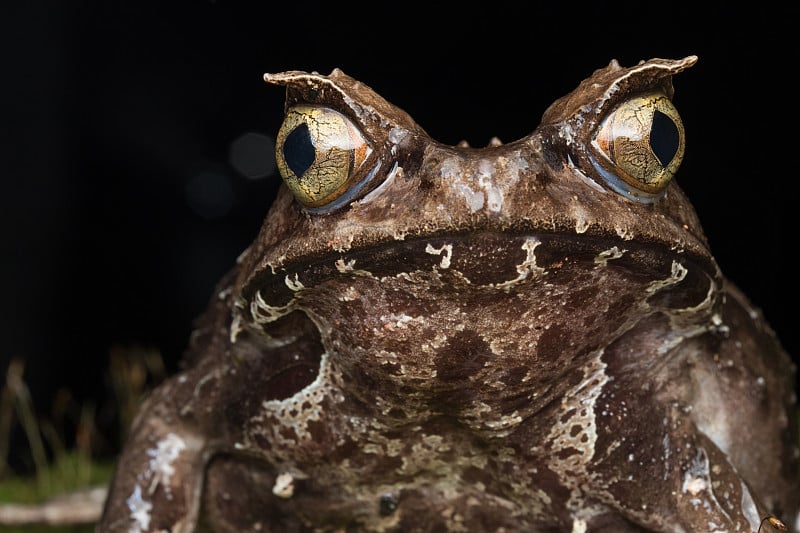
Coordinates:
(517, 386)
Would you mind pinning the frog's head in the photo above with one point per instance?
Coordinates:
(369, 195)
(360, 174)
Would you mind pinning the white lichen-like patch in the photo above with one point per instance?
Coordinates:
(581, 224)
(446, 251)
(343, 267)
(667, 449)
(678, 272)
(494, 196)
(294, 285)
(342, 244)
(576, 431)
(237, 323)
(497, 345)
(694, 485)
(504, 421)
(284, 486)
(349, 267)
(397, 135)
(528, 266)
(350, 294)
(277, 264)
(262, 313)
(438, 340)
(451, 169)
(140, 511)
(697, 483)
(162, 458)
(716, 319)
(624, 233)
(397, 321)
(578, 525)
(517, 163)
(605, 256)
(399, 234)
(579, 214)
(474, 199)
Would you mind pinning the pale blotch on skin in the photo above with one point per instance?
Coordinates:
(528, 267)
(284, 486)
(581, 403)
(140, 511)
(605, 256)
(446, 251)
(158, 473)
(163, 456)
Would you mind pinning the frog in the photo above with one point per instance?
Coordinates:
(531, 336)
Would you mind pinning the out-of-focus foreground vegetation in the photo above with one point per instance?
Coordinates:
(67, 452)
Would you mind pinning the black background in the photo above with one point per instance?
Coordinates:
(113, 113)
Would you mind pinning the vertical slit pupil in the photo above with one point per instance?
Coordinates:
(664, 137)
(298, 150)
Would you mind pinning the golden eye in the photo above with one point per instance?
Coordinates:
(640, 144)
(318, 151)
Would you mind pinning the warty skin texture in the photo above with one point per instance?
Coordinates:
(477, 339)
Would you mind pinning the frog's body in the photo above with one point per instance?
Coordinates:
(436, 338)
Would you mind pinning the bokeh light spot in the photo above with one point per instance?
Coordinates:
(253, 155)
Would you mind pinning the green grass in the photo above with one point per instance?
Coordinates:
(59, 468)
(85, 528)
(70, 471)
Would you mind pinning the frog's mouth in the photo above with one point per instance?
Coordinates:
(356, 296)
(484, 260)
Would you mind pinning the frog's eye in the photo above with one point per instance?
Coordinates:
(639, 146)
(318, 151)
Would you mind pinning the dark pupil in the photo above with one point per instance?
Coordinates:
(298, 150)
(664, 137)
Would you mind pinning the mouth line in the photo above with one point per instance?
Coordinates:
(484, 258)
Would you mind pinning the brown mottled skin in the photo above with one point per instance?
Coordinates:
(483, 339)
